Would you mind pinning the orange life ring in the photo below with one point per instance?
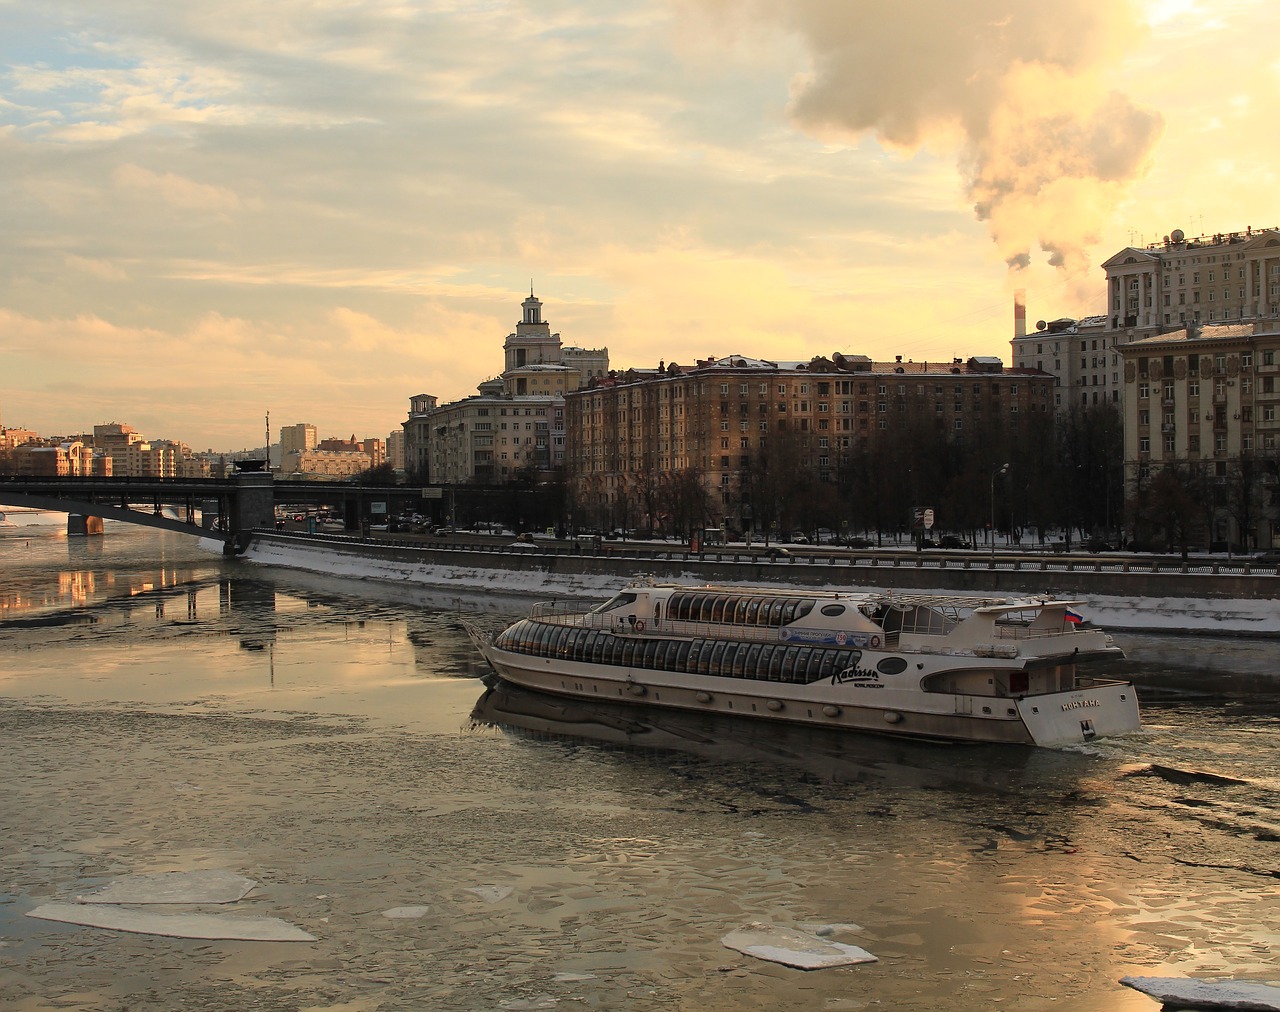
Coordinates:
(640, 625)
(875, 642)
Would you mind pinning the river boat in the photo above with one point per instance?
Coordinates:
(939, 667)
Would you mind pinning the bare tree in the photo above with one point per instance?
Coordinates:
(1169, 504)
(685, 499)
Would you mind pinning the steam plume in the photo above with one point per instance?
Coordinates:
(1046, 148)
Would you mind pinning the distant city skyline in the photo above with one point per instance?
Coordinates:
(321, 211)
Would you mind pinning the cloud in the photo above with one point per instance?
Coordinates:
(1020, 89)
(175, 190)
(103, 269)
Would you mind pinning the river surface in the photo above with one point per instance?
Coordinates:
(164, 710)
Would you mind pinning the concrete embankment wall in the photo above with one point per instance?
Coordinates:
(565, 568)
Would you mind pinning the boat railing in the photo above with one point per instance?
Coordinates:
(1019, 631)
(569, 613)
(1095, 682)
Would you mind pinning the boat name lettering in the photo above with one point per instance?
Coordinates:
(1080, 704)
(860, 675)
(840, 639)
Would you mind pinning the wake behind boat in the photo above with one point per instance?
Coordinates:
(929, 666)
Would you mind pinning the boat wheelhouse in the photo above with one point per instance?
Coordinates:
(932, 666)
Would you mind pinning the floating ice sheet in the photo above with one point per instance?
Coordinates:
(146, 922)
(793, 948)
(491, 894)
(1197, 993)
(405, 912)
(209, 886)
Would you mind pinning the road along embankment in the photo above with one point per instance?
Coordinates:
(1133, 597)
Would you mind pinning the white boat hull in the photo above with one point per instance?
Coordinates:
(1050, 719)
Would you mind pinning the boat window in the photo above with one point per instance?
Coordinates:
(830, 663)
(753, 660)
(616, 602)
(804, 662)
(645, 658)
(628, 649)
(717, 652)
(832, 610)
(803, 608)
(738, 665)
(700, 657)
(892, 665)
(788, 612)
(717, 609)
(678, 659)
(753, 610)
(657, 612)
(614, 655)
(704, 609)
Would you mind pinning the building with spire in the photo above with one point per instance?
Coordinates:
(515, 422)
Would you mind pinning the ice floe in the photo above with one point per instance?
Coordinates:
(146, 922)
(792, 947)
(491, 894)
(405, 913)
(1197, 993)
(103, 908)
(205, 886)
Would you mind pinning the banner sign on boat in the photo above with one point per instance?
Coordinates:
(840, 639)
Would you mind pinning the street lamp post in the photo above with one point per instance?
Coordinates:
(1003, 469)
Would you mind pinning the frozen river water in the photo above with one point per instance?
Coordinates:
(161, 710)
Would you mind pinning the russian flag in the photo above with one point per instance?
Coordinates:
(1073, 617)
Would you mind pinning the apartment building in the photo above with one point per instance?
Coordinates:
(1081, 356)
(714, 416)
(295, 440)
(1207, 399)
(1221, 278)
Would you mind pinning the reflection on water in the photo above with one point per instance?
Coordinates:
(829, 755)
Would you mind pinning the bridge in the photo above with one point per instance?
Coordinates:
(223, 508)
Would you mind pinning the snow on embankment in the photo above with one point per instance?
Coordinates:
(1173, 614)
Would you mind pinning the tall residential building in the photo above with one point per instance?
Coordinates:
(295, 440)
(1222, 278)
(1207, 400)
(395, 449)
(515, 423)
(715, 417)
(115, 438)
(417, 442)
(1080, 354)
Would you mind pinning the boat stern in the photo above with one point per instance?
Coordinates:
(1081, 714)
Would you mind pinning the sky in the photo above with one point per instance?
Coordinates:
(320, 208)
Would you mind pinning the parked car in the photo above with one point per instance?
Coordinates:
(952, 541)
(1271, 558)
(1099, 545)
(858, 543)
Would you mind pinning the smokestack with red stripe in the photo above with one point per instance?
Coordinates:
(1019, 313)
